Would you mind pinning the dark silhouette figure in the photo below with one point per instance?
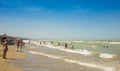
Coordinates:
(58, 43)
(5, 48)
(18, 43)
(21, 45)
(106, 46)
(66, 45)
(51, 42)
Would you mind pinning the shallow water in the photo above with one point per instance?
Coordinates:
(45, 60)
(96, 49)
(42, 58)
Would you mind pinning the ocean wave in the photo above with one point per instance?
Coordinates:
(106, 55)
(79, 51)
(100, 66)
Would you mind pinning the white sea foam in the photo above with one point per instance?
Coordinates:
(114, 42)
(36, 43)
(77, 41)
(83, 52)
(79, 51)
(106, 55)
(26, 41)
(44, 54)
(70, 61)
(75, 61)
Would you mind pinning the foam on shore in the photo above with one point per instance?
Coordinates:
(75, 61)
(79, 51)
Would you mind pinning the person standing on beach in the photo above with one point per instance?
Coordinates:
(21, 43)
(5, 48)
(18, 44)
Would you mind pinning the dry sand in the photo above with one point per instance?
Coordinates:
(11, 55)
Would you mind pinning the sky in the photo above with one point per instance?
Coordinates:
(61, 19)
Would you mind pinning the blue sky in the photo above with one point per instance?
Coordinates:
(61, 19)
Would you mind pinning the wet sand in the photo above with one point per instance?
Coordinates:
(41, 63)
(44, 63)
(11, 55)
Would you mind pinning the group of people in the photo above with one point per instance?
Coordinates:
(19, 44)
(66, 46)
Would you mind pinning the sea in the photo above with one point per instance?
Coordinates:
(79, 55)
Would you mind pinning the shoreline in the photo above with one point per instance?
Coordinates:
(12, 54)
(102, 66)
(48, 62)
(41, 57)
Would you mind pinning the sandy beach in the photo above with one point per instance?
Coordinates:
(11, 55)
(48, 61)
(42, 58)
